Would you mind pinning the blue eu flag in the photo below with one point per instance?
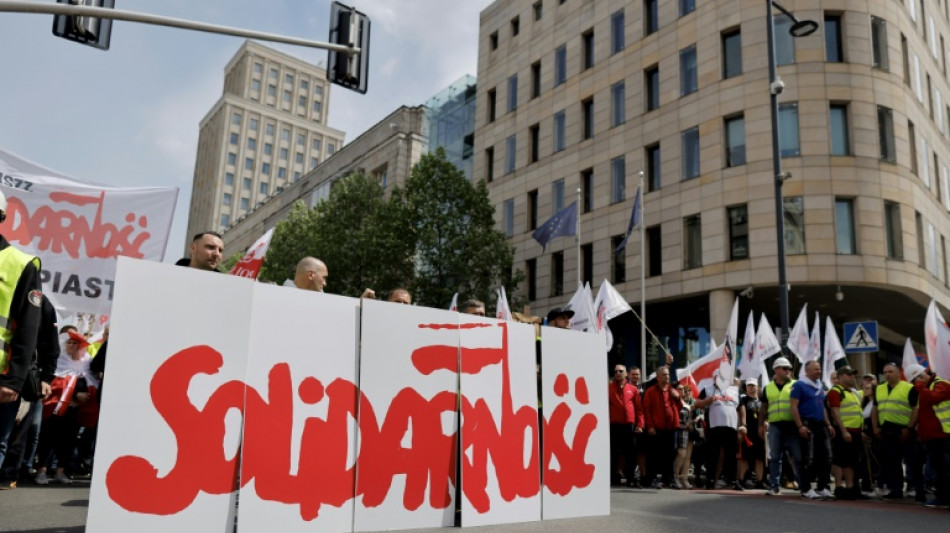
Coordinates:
(563, 223)
(634, 221)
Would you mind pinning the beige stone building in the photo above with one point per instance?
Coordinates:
(585, 94)
(263, 135)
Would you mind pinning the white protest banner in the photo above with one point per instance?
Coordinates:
(77, 230)
(500, 459)
(297, 469)
(576, 471)
(170, 424)
(408, 419)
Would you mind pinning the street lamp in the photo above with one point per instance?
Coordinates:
(800, 28)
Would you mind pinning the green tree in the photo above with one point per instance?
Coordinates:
(451, 224)
(291, 243)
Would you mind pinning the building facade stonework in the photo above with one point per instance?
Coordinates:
(583, 95)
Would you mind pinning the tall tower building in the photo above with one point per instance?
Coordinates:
(266, 131)
(584, 95)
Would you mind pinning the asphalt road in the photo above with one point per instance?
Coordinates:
(55, 509)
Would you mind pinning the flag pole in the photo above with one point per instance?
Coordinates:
(643, 282)
(577, 238)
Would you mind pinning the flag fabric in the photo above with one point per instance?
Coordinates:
(250, 265)
(608, 304)
(749, 360)
(798, 337)
(833, 351)
(562, 224)
(502, 311)
(766, 345)
(712, 343)
(727, 371)
(582, 306)
(454, 305)
(910, 357)
(699, 374)
(634, 220)
(937, 340)
(813, 352)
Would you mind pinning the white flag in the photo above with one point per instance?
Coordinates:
(582, 306)
(250, 265)
(937, 340)
(454, 306)
(727, 369)
(813, 353)
(798, 337)
(910, 357)
(609, 304)
(502, 311)
(833, 351)
(749, 360)
(766, 345)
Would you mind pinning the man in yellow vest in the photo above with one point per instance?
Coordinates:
(933, 423)
(776, 411)
(848, 418)
(892, 417)
(20, 300)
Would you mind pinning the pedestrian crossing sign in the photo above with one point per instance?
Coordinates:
(861, 337)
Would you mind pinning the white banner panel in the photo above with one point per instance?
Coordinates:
(77, 230)
(170, 425)
(501, 474)
(576, 463)
(407, 417)
(299, 451)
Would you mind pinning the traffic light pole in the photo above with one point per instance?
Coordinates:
(25, 6)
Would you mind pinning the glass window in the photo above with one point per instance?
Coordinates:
(232, 159)
(840, 143)
(587, 189)
(287, 95)
(654, 246)
(735, 141)
(301, 139)
(617, 41)
(283, 154)
(289, 79)
(299, 158)
(304, 85)
(302, 102)
(557, 273)
(932, 258)
(245, 204)
(252, 125)
(225, 220)
(226, 199)
(879, 43)
(263, 189)
(313, 162)
(557, 195)
(788, 129)
(833, 51)
(618, 112)
(256, 86)
(515, 26)
(318, 90)
(885, 127)
(493, 40)
(268, 148)
(538, 8)
(653, 167)
(690, 139)
(258, 68)
(687, 7)
(249, 163)
(246, 184)
(510, 147)
(920, 238)
(731, 54)
(509, 217)
(618, 180)
(652, 83)
(281, 172)
(531, 273)
(252, 144)
(651, 20)
(692, 242)
(559, 131)
(489, 164)
(532, 210)
(234, 138)
(513, 92)
(688, 81)
(794, 225)
(265, 169)
(784, 42)
(273, 73)
(912, 141)
(738, 232)
(229, 179)
(492, 98)
(236, 119)
(587, 262)
(316, 144)
(317, 106)
(587, 108)
(534, 133)
(844, 226)
(269, 129)
(536, 79)
(560, 65)
(618, 263)
(331, 148)
(285, 135)
(893, 234)
(587, 42)
(271, 90)
(918, 84)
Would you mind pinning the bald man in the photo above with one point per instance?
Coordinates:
(311, 274)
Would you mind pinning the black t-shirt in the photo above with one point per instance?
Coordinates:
(752, 406)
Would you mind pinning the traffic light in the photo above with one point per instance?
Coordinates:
(93, 31)
(349, 27)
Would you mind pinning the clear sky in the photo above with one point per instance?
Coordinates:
(129, 116)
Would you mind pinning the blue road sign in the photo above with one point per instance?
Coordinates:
(860, 337)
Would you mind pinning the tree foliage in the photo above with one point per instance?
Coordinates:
(436, 236)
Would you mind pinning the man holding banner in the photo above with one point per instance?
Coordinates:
(20, 300)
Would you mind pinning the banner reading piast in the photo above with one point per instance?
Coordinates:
(332, 414)
(77, 230)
